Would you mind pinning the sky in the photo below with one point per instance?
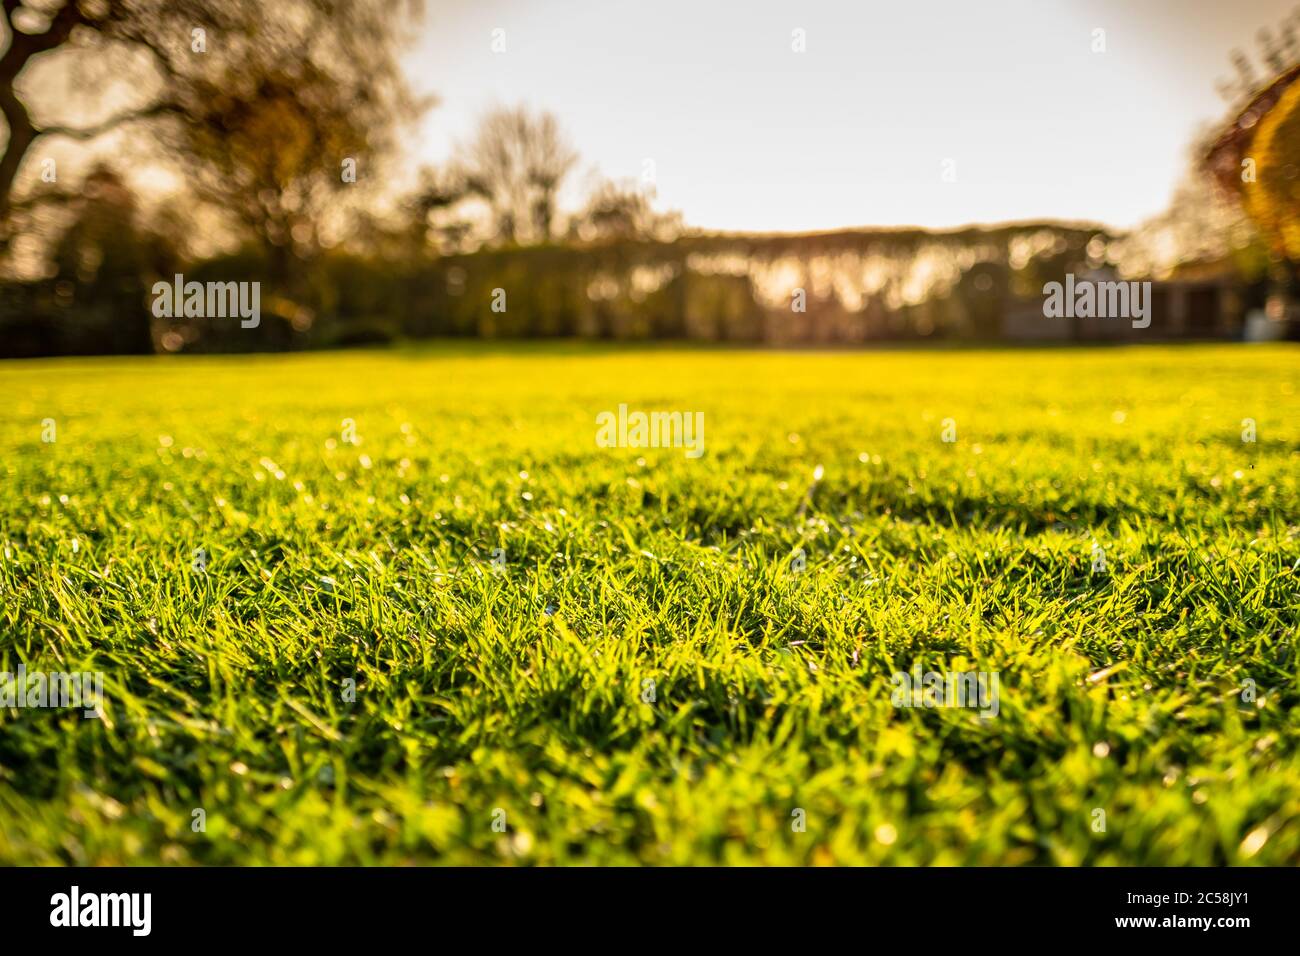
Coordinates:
(887, 103)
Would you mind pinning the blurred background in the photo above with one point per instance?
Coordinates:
(633, 171)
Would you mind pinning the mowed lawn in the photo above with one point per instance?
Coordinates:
(644, 676)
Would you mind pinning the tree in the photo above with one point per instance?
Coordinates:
(431, 218)
(278, 154)
(1274, 200)
(621, 211)
(516, 163)
(200, 62)
(1203, 224)
(1254, 158)
(107, 258)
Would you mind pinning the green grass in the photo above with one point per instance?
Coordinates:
(520, 688)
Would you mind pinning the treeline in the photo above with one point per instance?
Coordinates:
(849, 286)
(283, 121)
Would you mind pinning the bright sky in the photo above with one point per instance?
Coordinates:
(746, 134)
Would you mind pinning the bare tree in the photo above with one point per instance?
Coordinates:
(517, 163)
(623, 211)
(1277, 53)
